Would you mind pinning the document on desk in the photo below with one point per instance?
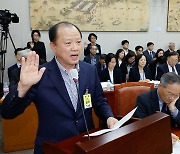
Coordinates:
(176, 148)
(116, 126)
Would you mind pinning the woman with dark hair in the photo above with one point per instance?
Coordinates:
(139, 72)
(37, 46)
(158, 59)
(120, 54)
(111, 73)
(127, 63)
(92, 39)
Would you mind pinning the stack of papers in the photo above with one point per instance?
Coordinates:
(176, 148)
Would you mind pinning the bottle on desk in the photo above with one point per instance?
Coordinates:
(108, 85)
(5, 88)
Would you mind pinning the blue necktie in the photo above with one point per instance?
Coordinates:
(164, 108)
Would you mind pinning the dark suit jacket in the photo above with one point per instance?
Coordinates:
(134, 75)
(12, 74)
(87, 50)
(57, 118)
(148, 104)
(87, 59)
(148, 56)
(40, 49)
(163, 68)
(104, 76)
(166, 53)
(99, 68)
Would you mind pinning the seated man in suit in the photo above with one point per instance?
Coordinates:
(101, 65)
(165, 99)
(93, 58)
(14, 70)
(149, 53)
(57, 92)
(171, 65)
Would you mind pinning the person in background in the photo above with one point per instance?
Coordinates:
(178, 51)
(140, 72)
(127, 64)
(101, 65)
(54, 91)
(171, 49)
(125, 46)
(158, 59)
(149, 53)
(111, 73)
(37, 46)
(119, 57)
(164, 99)
(92, 39)
(171, 65)
(93, 58)
(139, 50)
(14, 70)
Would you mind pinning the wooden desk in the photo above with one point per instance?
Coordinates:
(19, 133)
(136, 137)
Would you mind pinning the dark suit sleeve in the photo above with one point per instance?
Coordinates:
(141, 111)
(159, 73)
(177, 119)
(12, 105)
(131, 75)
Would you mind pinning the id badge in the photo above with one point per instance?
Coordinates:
(87, 101)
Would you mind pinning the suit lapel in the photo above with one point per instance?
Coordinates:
(56, 77)
(155, 101)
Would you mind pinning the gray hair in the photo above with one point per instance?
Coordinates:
(169, 78)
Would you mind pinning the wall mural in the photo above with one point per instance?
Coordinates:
(91, 15)
(174, 16)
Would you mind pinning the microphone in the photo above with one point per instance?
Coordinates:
(74, 74)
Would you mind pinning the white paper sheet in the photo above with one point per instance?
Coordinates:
(116, 126)
(176, 148)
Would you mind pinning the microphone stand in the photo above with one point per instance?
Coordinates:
(79, 97)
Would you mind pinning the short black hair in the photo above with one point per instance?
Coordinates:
(103, 56)
(92, 34)
(35, 31)
(124, 42)
(150, 43)
(174, 53)
(18, 49)
(53, 30)
(138, 47)
(109, 56)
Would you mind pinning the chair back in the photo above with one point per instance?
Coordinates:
(127, 94)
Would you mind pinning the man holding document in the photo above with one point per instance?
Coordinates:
(56, 93)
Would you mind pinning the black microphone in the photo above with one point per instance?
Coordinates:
(74, 74)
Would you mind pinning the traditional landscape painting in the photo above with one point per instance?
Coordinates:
(91, 15)
(174, 16)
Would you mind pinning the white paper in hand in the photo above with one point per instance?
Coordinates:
(116, 126)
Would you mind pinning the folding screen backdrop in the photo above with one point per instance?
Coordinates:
(91, 15)
(174, 16)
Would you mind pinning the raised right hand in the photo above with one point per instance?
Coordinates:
(30, 74)
(85, 45)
